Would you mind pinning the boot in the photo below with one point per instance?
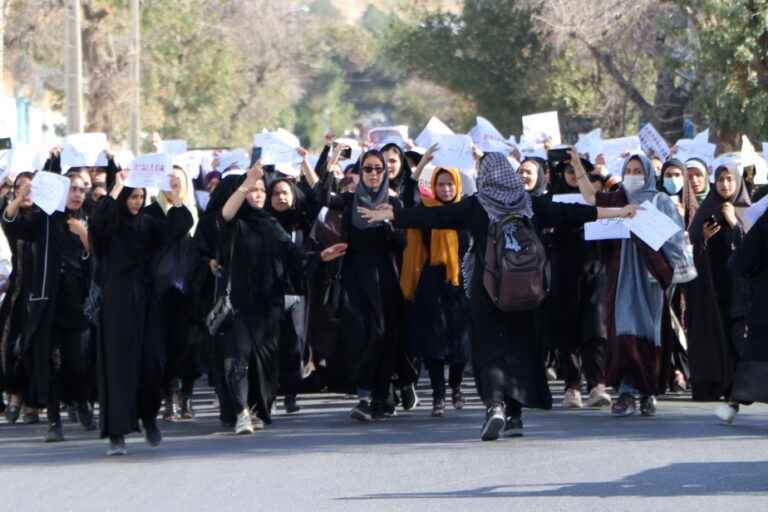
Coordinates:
(55, 432)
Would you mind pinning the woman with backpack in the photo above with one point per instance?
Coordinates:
(504, 222)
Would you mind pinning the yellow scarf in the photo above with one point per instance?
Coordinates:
(443, 249)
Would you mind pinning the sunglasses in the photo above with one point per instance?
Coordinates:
(368, 169)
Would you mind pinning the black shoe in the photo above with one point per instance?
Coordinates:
(72, 414)
(382, 410)
(290, 405)
(513, 427)
(648, 405)
(152, 433)
(116, 446)
(362, 412)
(30, 416)
(85, 414)
(494, 423)
(187, 411)
(55, 433)
(2, 404)
(438, 408)
(457, 397)
(12, 413)
(409, 397)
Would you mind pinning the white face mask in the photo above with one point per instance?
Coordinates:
(673, 185)
(633, 183)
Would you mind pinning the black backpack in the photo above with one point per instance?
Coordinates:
(515, 277)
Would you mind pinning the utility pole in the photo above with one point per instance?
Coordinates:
(73, 68)
(135, 77)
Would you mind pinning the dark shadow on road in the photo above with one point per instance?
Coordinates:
(683, 479)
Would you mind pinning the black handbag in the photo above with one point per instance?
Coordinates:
(222, 310)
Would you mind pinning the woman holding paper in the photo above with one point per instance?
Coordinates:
(640, 335)
(172, 320)
(256, 258)
(13, 310)
(55, 337)
(130, 367)
(718, 300)
(506, 355)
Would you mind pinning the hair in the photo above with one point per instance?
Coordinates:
(376, 154)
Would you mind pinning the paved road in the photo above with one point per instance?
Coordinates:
(318, 460)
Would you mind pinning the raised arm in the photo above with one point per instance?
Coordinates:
(585, 186)
(450, 216)
(235, 201)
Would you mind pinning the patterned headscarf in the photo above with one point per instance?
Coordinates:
(500, 190)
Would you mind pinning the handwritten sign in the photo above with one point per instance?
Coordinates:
(25, 158)
(454, 151)
(84, 150)
(569, 199)
(379, 137)
(49, 191)
(652, 142)
(590, 143)
(607, 229)
(538, 127)
(233, 162)
(487, 138)
(698, 147)
(151, 171)
(652, 226)
(277, 147)
(754, 212)
(432, 132)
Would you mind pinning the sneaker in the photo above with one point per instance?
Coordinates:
(551, 374)
(116, 446)
(85, 415)
(572, 399)
(362, 412)
(290, 404)
(624, 406)
(382, 410)
(170, 411)
(244, 423)
(258, 423)
(438, 408)
(409, 397)
(598, 397)
(727, 412)
(513, 427)
(55, 432)
(151, 433)
(494, 423)
(457, 398)
(648, 405)
(187, 411)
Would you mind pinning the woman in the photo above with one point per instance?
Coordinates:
(125, 241)
(752, 369)
(717, 306)
(677, 182)
(698, 178)
(295, 213)
(640, 335)
(55, 337)
(372, 304)
(532, 172)
(13, 311)
(171, 315)
(578, 284)
(430, 281)
(508, 361)
(257, 256)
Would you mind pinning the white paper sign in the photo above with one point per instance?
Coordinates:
(202, 198)
(613, 150)
(172, 147)
(569, 199)
(432, 132)
(84, 150)
(49, 191)
(698, 147)
(151, 171)
(754, 212)
(277, 147)
(653, 143)
(379, 137)
(454, 151)
(25, 158)
(288, 169)
(652, 226)
(190, 162)
(487, 138)
(765, 150)
(538, 127)
(607, 229)
(590, 143)
(237, 159)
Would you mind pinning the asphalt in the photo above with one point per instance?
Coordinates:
(317, 460)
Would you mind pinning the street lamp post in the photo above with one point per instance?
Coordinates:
(135, 77)
(73, 68)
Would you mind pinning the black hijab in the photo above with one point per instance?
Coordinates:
(541, 186)
(294, 217)
(403, 183)
(713, 204)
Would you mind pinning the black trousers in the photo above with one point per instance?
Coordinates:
(436, 369)
(588, 360)
(71, 369)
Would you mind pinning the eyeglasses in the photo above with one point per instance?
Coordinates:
(373, 168)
